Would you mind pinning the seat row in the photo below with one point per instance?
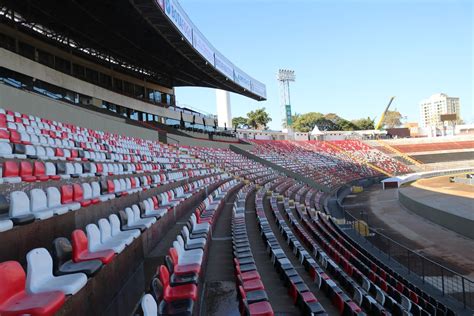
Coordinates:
(253, 299)
(174, 288)
(43, 204)
(298, 290)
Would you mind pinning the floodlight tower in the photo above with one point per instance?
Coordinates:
(284, 77)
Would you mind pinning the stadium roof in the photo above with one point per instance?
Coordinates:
(153, 37)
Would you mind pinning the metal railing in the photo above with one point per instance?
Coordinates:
(447, 281)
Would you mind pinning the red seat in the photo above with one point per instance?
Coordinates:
(183, 269)
(338, 302)
(14, 300)
(252, 285)
(15, 137)
(110, 187)
(59, 152)
(79, 195)
(260, 309)
(247, 276)
(11, 169)
(67, 193)
(26, 172)
(4, 135)
(39, 171)
(180, 292)
(80, 250)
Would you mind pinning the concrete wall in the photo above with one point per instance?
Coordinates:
(458, 224)
(42, 106)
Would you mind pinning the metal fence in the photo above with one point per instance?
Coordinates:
(447, 281)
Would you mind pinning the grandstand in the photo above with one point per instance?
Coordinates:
(116, 201)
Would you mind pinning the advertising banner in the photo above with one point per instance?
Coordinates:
(179, 18)
(202, 46)
(289, 121)
(259, 88)
(241, 78)
(223, 65)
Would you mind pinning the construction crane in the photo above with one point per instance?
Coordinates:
(380, 123)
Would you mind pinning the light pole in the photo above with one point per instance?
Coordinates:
(284, 77)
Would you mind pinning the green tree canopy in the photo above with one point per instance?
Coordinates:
(258, 119)
(305, 122)
(364, 123)
(240, 122)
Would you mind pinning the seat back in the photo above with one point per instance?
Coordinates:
(67, 193)
(164, 277)
(130, 216)
(78, 194)
(114, 224)
(10, 169)
(38, 201)
(95, 189)
(156, 288)
(19, 204)
(93, 235)
(62, 251)
(12, 279)
(39, 267)
(136, 212)
(87, 191)
(105, 230)
(39, 168)
(53, 197)
(148, 305)
(50, 169)
(79, 243)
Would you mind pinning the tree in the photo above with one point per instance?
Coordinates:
(240, 122)
(258, 119)
(364, 123)
(392, 119)
(305, 122)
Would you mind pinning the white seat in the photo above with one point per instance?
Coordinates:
(194, 241)
(50, 169)
(6, 150)
(39, 205)
(5, 224)
(106, 234)
(95, 244)
(187, 257)
(116, 231)
(138, 219)
(200, 226)
(19, 204)
(151, 211)
(40, 278)
(149, 306)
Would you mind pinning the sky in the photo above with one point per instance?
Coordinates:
(349, 56)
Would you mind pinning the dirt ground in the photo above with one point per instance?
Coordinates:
(383, 211)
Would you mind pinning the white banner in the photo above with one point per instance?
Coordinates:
(259, 88)
(223, 65)
(241, 78)
(201, 45)
(179, 18)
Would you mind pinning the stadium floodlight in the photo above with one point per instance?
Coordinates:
(284, 77)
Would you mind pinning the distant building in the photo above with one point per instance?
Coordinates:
(432, 108)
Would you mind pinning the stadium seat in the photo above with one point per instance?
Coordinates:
(5, 222)
(116, 228)
(63, 264)
(78, 195)
(67, 197)
(20, 204)
(148, 305)
(15, 300)
(39, 204)
(105, 228)
(81, 253)
(40, 276)
(39, 171)
(96, 244)
(170, 294)
(11, 172)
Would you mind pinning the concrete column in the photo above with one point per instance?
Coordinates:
(224, 114)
